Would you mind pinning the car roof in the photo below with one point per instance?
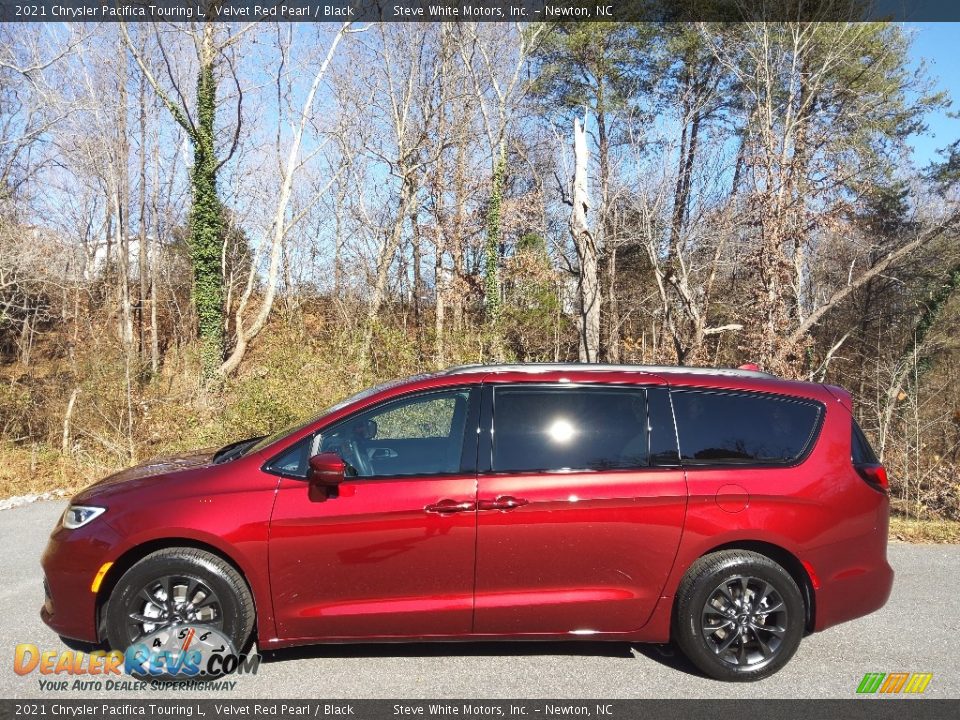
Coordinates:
(603, 367)
(670, 375)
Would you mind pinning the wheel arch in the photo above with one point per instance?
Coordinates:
(785, 559)
(135, 554)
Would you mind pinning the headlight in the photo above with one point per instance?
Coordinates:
(79, 515)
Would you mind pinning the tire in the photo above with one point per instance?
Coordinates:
(739, 615)
(232, 612)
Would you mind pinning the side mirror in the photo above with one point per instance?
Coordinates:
(327, 470)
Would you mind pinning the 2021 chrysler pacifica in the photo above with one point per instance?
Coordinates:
(727, 510)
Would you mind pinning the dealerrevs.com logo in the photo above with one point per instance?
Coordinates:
(894, 683)
(193, 654)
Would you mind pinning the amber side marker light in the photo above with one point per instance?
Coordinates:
(98, 578)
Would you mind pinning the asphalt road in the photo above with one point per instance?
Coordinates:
(916, 632)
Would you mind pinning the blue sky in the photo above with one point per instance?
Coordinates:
(939, 44)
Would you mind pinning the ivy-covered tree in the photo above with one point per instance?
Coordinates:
(532, 313)
(495, 62)
(206, 223)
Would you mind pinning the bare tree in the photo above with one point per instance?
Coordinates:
(282, 222)
(587, 279)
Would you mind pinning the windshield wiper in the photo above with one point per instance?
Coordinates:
(235, 450)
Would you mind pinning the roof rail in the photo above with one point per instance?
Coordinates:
(602, 367)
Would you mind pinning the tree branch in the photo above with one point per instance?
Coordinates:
(179, 113)
(864, 278)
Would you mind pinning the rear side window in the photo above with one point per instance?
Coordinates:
(547, 428)
(744, 428)
(861, 452)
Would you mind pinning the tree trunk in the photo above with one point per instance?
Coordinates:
(122, 204)
(385, 259)
(142, 269)
(154, 258)
(441, 224)
(588, 280)
(491, 285)
(606, 239)
(206, 216)
(613, 307)
(67, 418)
(440, 311)
(416, 260)
(456, 241)
(681, 200)
(338, 240)
(244, 333)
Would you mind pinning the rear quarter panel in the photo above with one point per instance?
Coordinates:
(819, 510)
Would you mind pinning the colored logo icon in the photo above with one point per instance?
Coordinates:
(893, 683)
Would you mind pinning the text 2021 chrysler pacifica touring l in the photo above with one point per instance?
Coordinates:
(727, 510)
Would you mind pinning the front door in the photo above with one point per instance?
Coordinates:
(579, 519)
(392, 553)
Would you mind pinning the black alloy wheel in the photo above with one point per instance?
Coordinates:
(178, 586)
(739, 615)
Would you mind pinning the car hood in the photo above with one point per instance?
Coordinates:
(147, 473)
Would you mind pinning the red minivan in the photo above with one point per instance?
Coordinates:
(727, 510)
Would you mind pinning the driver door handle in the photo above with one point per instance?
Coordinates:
(504, 502)
(447, 506)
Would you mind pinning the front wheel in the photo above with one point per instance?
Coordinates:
(740, 616)
(174, 587)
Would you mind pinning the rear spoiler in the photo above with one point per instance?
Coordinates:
(842, 396)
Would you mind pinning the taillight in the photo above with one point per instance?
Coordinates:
(875, 474)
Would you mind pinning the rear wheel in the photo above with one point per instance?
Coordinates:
(740, 616)
(179, 586)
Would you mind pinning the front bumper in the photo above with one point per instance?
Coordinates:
(70, 563)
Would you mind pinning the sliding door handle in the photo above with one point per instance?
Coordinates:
(447, 507)
(504, 502)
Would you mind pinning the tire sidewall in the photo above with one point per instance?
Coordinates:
(154, 567)
(691, 606)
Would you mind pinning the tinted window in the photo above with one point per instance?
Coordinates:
(569, 429)
(861, 452)
(716, 427)
(293, 461)
(418, 435)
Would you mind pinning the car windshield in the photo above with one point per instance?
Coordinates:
(270, 439)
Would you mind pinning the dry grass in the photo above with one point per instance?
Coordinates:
(34, 469)
(288, 376)
(924, 531)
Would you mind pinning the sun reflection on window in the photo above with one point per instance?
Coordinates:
(561, 431)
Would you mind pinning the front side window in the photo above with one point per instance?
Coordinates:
(418, 435)
(729, 428)
(268, 440)
(575, 428)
